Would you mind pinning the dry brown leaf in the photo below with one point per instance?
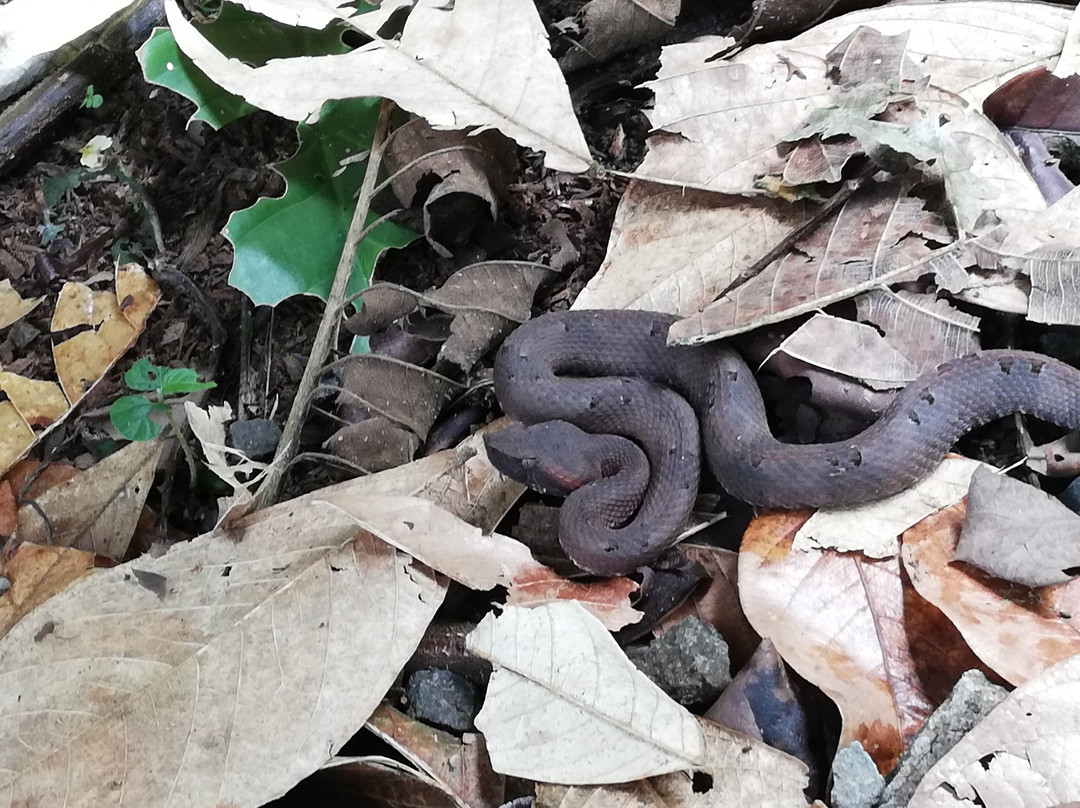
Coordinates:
(850, 349)
(36, 574)
(372, 780)
(1022, 754)
(479, 560)
(842, 622)
(174, 680)
(742, 772)
(39, 403)
(875, 239)
(926, 329)
(97, 510)
(565, 705)
(457, 67)
(675, 250)
(874, 528)
(460, 765)
(728, 117)
(1016, 631)
(13, 307)
(1018, 533)
(16, 436)
(610, 27)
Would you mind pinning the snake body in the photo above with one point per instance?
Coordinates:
(612, 372)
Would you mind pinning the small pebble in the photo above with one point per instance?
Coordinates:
(443, 698)
(689, 662)
(257, 438)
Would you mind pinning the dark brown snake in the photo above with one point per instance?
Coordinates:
(612, 373)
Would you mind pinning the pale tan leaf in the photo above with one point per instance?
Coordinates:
(875, 239)
(476, 559)
(742, 772)
(39, 403)
(220, 673)
(926, 329)
(850, 349)
(1055, 284)
(874, 528)
(1018, 533)
(564, 704)
(729, 117)
(13, 307)
(475, 63)
(1016, 631)
(317, 14)
(1023, 754)
(839, 620)
(16, 436)
(97, 510)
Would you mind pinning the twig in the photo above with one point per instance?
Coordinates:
(328, 326)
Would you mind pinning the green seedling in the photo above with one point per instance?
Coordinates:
(92, 100)
(131, 414)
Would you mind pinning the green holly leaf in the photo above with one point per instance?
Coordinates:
(291, 245)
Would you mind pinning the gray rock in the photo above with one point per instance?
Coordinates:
(689, 662)
(856, 780)
(443, 698)
(971, 699)
(257, 438)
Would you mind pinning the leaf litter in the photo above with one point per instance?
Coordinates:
(126, 647)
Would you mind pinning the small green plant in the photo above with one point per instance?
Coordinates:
(131, 414)
(92, 100)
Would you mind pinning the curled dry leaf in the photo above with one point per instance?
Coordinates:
(1018, 533)
(611, 27)
(214, 654)
(97, 510)
(456, 187)
(565, 705)
(460, 765)
(481, 560)
(1023, 753)
(1018, 632)
(456, 67)
(874, 528)
(851, 626)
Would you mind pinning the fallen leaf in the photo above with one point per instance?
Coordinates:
(97, 510)
(842, 622)
(1022, 753)
(13, 307)
(478, 560)
(442, 68)
(565, 705)
(460, 765)
(874, 528)
(1018, 533)
(250, 651)
(611, 27)
(36, 574)
(1018, 632)
(740, 772)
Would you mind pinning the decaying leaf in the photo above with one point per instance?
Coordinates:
(275, 644)
(1018, 632)
(565, 705)
(611, 27)
(1023, 753)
